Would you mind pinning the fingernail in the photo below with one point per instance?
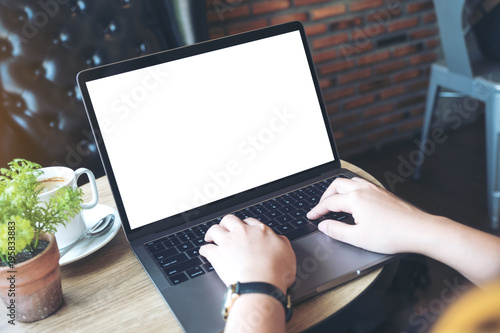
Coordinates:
(321, 227)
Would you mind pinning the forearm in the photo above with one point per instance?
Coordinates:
(473, 253)
(256, 313)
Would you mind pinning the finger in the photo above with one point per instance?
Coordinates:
(252, 221)
(338, 186)
(230, 222)
(337, 230)
(359, 180)
(208, 250)
(215, 234)
(334, 203)
(285, 239)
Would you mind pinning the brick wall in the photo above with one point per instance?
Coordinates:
(372, 58)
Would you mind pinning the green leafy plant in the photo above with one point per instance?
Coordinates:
(23, 217)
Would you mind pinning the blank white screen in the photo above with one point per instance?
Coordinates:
(195, 130)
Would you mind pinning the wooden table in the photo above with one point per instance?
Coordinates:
(109, 291)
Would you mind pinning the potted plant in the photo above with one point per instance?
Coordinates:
(30, 282)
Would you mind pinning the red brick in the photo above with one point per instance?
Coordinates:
(411, 101)
(379, 110)
(321, 13)
(423, 33)
(363, 127)
(270, 6)
(379, 135)
(355, 75)
(336, 67)
(359, 5)
(324, 56)
(246, 26)
(418, 111)
(344, 119)
(373, 58)
(402, 24)
(360, 101)
(422, 58)
(349, 23)
(407, 49)
(411, 125)
(429, 18)
(331, 40)
(325, 83)
(419, 6)
(369, 31)
(338, 94)
(308, 2)
(332, 108)
(338, 134)
(407, 75)
(374, 85)
(289, 17)
(315, 29)
(384, 16)
(391, 119)
(422, 85)
(432, 44)
(390, 67)
(349, 50)
(391, 92)
(228, 13)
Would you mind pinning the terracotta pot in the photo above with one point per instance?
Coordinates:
(32, 290)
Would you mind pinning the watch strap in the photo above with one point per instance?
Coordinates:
(268, 289)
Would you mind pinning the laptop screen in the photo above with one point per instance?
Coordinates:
(191, 131)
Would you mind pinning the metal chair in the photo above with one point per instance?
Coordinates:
(468, 73)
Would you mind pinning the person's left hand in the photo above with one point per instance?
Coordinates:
(249, 251)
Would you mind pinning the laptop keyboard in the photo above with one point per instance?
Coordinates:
(177, 254)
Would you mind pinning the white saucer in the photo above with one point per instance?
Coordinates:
(90, 245)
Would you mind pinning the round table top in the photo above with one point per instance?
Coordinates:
(109, 291)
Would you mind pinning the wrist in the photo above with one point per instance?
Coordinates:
(429, 235)
(239, 289)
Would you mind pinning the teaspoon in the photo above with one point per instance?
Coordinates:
(96, 230)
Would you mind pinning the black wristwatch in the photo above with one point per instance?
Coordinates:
(235, 290)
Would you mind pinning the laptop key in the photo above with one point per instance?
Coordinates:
(173, 260)
(165, 254)
(195, 272)
(156, 247)
(284, 228)
(172, 242)
(284, 218)
(185, 246)
(299, 232)
(182, 266)
(199, 241)
(186, 236)
(178, 278)
(299, 222)
(193, 253)
(272, 224)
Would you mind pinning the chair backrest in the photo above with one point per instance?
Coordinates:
(449, 16)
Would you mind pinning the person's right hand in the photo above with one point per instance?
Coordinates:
(384, 223)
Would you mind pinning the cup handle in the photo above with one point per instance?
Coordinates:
(93, 186)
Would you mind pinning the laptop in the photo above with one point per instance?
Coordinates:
(232, 125)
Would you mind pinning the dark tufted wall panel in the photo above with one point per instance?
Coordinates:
(45, 43)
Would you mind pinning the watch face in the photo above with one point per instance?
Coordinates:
(229, 299)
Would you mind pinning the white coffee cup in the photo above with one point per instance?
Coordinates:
(57, 177)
